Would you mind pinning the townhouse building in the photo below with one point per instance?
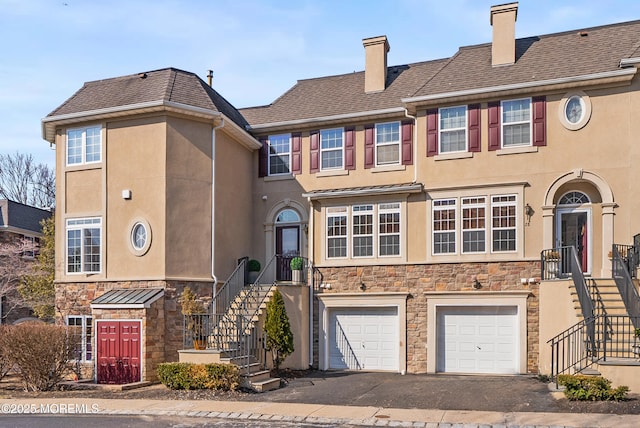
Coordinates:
(445, 210)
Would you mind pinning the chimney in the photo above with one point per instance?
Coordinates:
(503, 20)
(375, 68)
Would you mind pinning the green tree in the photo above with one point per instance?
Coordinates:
(37, 289)
(278, 329)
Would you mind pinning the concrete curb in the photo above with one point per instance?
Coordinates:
(315, 413)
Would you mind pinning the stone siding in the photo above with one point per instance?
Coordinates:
(162, 323)
(449, 277)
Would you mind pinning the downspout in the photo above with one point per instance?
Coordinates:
(415, 144)
(310, 244)
(213, 207)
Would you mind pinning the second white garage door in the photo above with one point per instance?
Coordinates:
(481, 339)
(364, 339)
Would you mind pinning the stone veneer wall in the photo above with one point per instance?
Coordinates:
(162, 322)
(418, 279)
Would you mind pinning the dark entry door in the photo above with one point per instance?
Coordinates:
(118, 352)
(287, 247)
(574, 232)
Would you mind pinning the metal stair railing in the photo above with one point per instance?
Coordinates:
(234, 331)
(573, 349)
(620, 267)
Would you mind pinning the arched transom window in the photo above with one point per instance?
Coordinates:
(288, 216)
(574, 198)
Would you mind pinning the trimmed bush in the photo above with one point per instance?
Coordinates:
(40, 353)
(198, 376)
(253, 266)
(591, 388)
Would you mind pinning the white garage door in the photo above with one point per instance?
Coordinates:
(364, 339)
(478, 339)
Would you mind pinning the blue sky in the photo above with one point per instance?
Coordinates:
(257, 48)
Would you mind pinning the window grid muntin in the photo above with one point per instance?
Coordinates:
(389, 226)
(337, 236)
(473, 225)
(444, 226)
(503, 223)
(374, 230)
(453, 129)
(332, 148)
(362, 230)
(574, 198)
(84, 245)
(516, 122)
(279, 154)
(387, 143)
(84, 145)
(82, 330)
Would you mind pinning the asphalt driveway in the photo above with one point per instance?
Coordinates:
(392, 390)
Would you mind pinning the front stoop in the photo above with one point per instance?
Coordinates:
(257, 379)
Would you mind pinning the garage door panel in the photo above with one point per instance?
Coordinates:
(473, 339)
(363, 338)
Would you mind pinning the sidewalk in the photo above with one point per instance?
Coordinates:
(316, 413)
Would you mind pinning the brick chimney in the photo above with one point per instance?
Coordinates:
(503, 20)
(375, 68)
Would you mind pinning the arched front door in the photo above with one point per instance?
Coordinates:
(287, 242)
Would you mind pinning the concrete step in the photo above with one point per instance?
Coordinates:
(266, 385)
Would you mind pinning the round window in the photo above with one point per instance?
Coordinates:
(139, 237)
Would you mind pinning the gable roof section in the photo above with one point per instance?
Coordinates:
(21, 218)
(342, 95)
(168, 86)
(590, 52)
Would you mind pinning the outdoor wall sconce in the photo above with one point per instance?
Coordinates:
(528, 212)
(476, 284)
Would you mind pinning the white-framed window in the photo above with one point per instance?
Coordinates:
(279, 154)
(444, 226)
(388, 143)
(336, 232)
(453, 129)
(474, 224)
(83, 245)
(389, 229)
(331, 149)
(477, 221)
(364, 230)
(516, 122)
(81, 329)
(84, 145)
(503, 218)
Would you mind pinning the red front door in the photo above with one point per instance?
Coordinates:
(118, 352)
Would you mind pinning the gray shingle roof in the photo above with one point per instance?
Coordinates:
(555, 56)
(342, 94)
(540, 58)
(21, 216)
(168, 84)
